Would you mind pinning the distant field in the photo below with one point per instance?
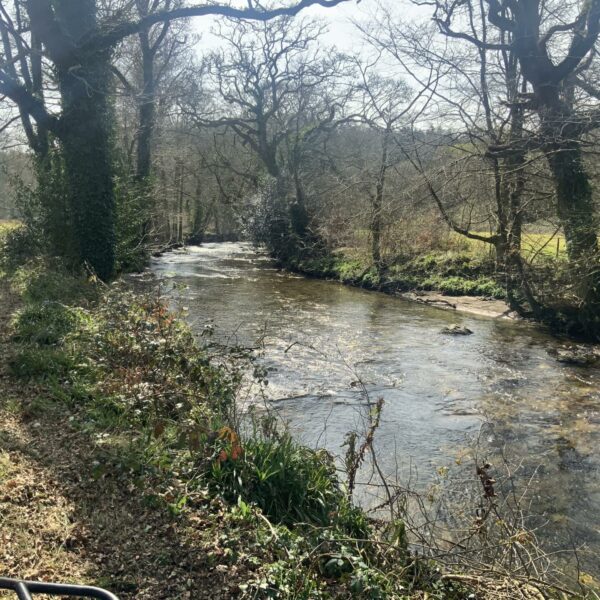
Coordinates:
(548, 244)
(7, 224)
(533, 244)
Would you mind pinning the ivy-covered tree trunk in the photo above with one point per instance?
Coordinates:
(86, 140)
(574, 199)
(575, 208)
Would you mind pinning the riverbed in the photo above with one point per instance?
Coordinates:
(331, 350)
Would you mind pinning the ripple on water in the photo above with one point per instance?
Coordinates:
(332, 350)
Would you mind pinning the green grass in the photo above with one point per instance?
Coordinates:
(41, 364)
(455, 273)
(47, 323)
(289, 482)
(460, 286)
(533, 245)
(464, 267)
(43, 280)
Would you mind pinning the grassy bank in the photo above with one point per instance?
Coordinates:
(123, 464)
(455, 266)
(449, 272)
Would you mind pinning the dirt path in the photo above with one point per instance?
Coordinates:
(70, 513)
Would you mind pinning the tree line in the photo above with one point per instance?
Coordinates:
(473, 125)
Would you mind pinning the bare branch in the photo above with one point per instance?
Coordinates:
(256, 13)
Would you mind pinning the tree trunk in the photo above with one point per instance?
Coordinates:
(147, 111)
(180, 204)
(574, 199)
(512, 191)
(580, 225)
(376, 218)
(85, 137)
(299, 218)
(199, 220)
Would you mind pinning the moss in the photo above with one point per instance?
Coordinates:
(371, 278)
(460, 286)
(448, 264)
(349, 269)
(323, 266)
(451, 273)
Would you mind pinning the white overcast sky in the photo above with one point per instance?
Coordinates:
(341, 32)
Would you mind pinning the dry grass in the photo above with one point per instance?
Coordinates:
(35, 517)
(8, 224)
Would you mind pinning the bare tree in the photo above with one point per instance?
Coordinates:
(276, 92)
(554, 44)
(147, 68)
(386, 105)
(71, 37)
(479, 94)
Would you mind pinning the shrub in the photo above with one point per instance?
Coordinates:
(47, 323)
(154, 362)
(17, 245)
(41, 363)
(289, 482)
(133, 223)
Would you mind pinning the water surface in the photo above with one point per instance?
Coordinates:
(325, 344)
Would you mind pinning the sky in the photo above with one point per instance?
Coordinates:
(341, 32)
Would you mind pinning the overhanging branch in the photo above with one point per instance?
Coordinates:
(111, 37)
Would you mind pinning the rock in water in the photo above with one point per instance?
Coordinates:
(581, 357)
(456, 330)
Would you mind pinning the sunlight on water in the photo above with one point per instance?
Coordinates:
(323, 342)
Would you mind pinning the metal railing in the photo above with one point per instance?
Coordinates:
(25, 589)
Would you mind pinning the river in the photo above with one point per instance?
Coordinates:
(325, 344)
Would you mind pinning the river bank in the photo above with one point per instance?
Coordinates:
(122, 465)
(111, 475)
(450, 280)
(325, 345)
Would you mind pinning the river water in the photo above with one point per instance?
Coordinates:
(325, 344)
